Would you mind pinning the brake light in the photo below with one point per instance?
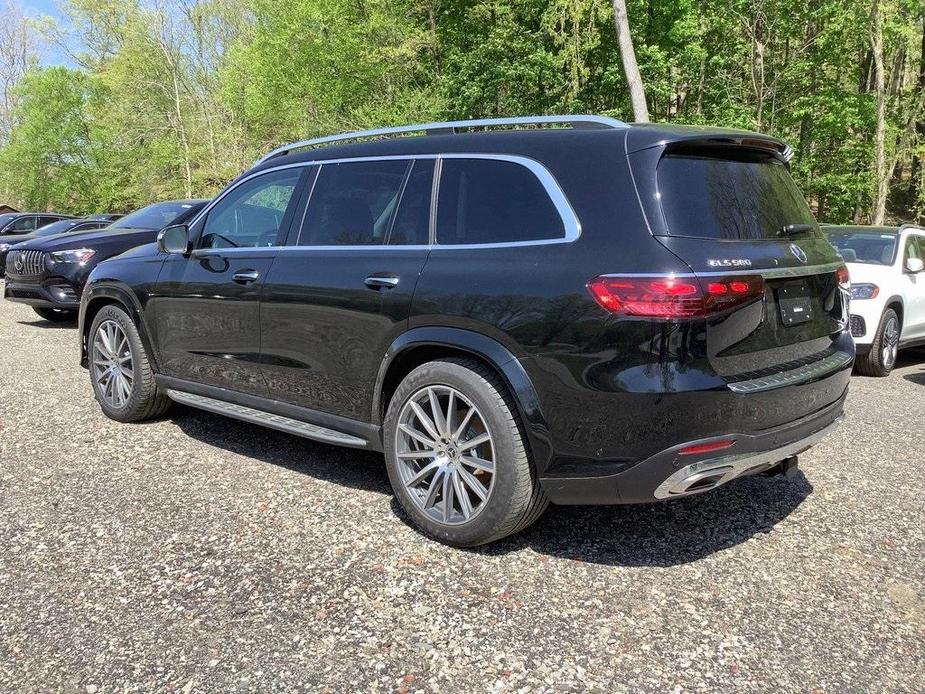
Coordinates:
(844, 277)
(707, 447)
(674, 297)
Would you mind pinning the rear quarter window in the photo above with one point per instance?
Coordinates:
(483, 201)
(729, 195)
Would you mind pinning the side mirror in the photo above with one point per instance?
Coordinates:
(174, 239)
(914, 265)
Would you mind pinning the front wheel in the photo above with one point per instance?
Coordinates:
(882, 356)
(55, 315)
(120, 371)
(456, 454)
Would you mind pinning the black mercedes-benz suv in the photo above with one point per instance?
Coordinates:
(517, 311)
(49, 273)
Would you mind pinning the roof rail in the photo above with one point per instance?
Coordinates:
(450, 128)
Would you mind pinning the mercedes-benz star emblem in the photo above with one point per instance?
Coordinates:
(19, 264)
(798, 252)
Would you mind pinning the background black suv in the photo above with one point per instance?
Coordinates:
(62, 226)
(596, 314)
(49, 273)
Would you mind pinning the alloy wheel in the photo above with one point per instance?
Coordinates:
(113, 368)
(446, 455)
(889, 343)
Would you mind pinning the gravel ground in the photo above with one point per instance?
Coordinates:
(197, 553)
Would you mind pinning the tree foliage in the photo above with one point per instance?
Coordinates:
(175, 97)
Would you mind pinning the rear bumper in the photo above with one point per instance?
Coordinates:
(671, 474)
(54, 293)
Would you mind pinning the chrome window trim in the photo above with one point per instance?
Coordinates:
(570, 221)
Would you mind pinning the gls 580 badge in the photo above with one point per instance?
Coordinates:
(729, 262)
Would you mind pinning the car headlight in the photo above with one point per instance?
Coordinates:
(864, 291)
(74, 255)
(4, 247)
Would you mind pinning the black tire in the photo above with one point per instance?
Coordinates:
(515, 499)
(56, 315)
(145, 400)
(881, 358)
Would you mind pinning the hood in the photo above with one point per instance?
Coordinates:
(126, 238)
(868, 273)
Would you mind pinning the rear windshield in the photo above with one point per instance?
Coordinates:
(865, 247)
(155, 216)
(741, 195)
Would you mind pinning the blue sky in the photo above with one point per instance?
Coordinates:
(51, 55)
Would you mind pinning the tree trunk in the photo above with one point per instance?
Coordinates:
(633, 78)
(882, 189)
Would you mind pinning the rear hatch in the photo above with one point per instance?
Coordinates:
(730, 210)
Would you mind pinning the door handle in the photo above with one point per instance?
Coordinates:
(382, 281)
(246, 276)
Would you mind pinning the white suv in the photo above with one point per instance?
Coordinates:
(887, 290)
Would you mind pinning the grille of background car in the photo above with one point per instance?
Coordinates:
(33, 263)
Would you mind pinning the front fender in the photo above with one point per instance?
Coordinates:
(111, 291)
(489, 350)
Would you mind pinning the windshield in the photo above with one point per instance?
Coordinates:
(866, 247)
(155, 216)
(57, 227)
(731, 195)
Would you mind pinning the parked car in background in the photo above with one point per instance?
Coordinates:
(14, 224)
(593, 314)
(887, 290)
(63, 226)
(49, 273)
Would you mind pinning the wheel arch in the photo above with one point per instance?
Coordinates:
(420, 345)
(102, 295)
(895, 302)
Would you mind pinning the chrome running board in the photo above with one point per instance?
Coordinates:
(267, 419)
(705, 475)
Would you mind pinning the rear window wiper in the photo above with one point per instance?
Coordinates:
(796, 229)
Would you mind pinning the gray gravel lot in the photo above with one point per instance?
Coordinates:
(197, 553)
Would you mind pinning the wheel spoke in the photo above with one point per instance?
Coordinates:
(465, 506)
(478, 463)
(472, 443)
(434, 488)
(471, 481)
(417, 435)
(439, 421)
(425, 421)
(422, 473)
(451, 413)
(447, 495)
(460, 430)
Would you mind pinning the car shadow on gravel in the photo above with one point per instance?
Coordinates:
(664, 533)
(658, 534)
(344, 466)
(49, 325)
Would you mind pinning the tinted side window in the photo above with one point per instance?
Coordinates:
(490, 201)
(352, 203)
(412, 220)
(251, 214)
(47, 220)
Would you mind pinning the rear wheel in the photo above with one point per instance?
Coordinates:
(456, 454)
(120, 371)
(882, 356)
(55, 315)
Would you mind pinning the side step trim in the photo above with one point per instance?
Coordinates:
(267, 419)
